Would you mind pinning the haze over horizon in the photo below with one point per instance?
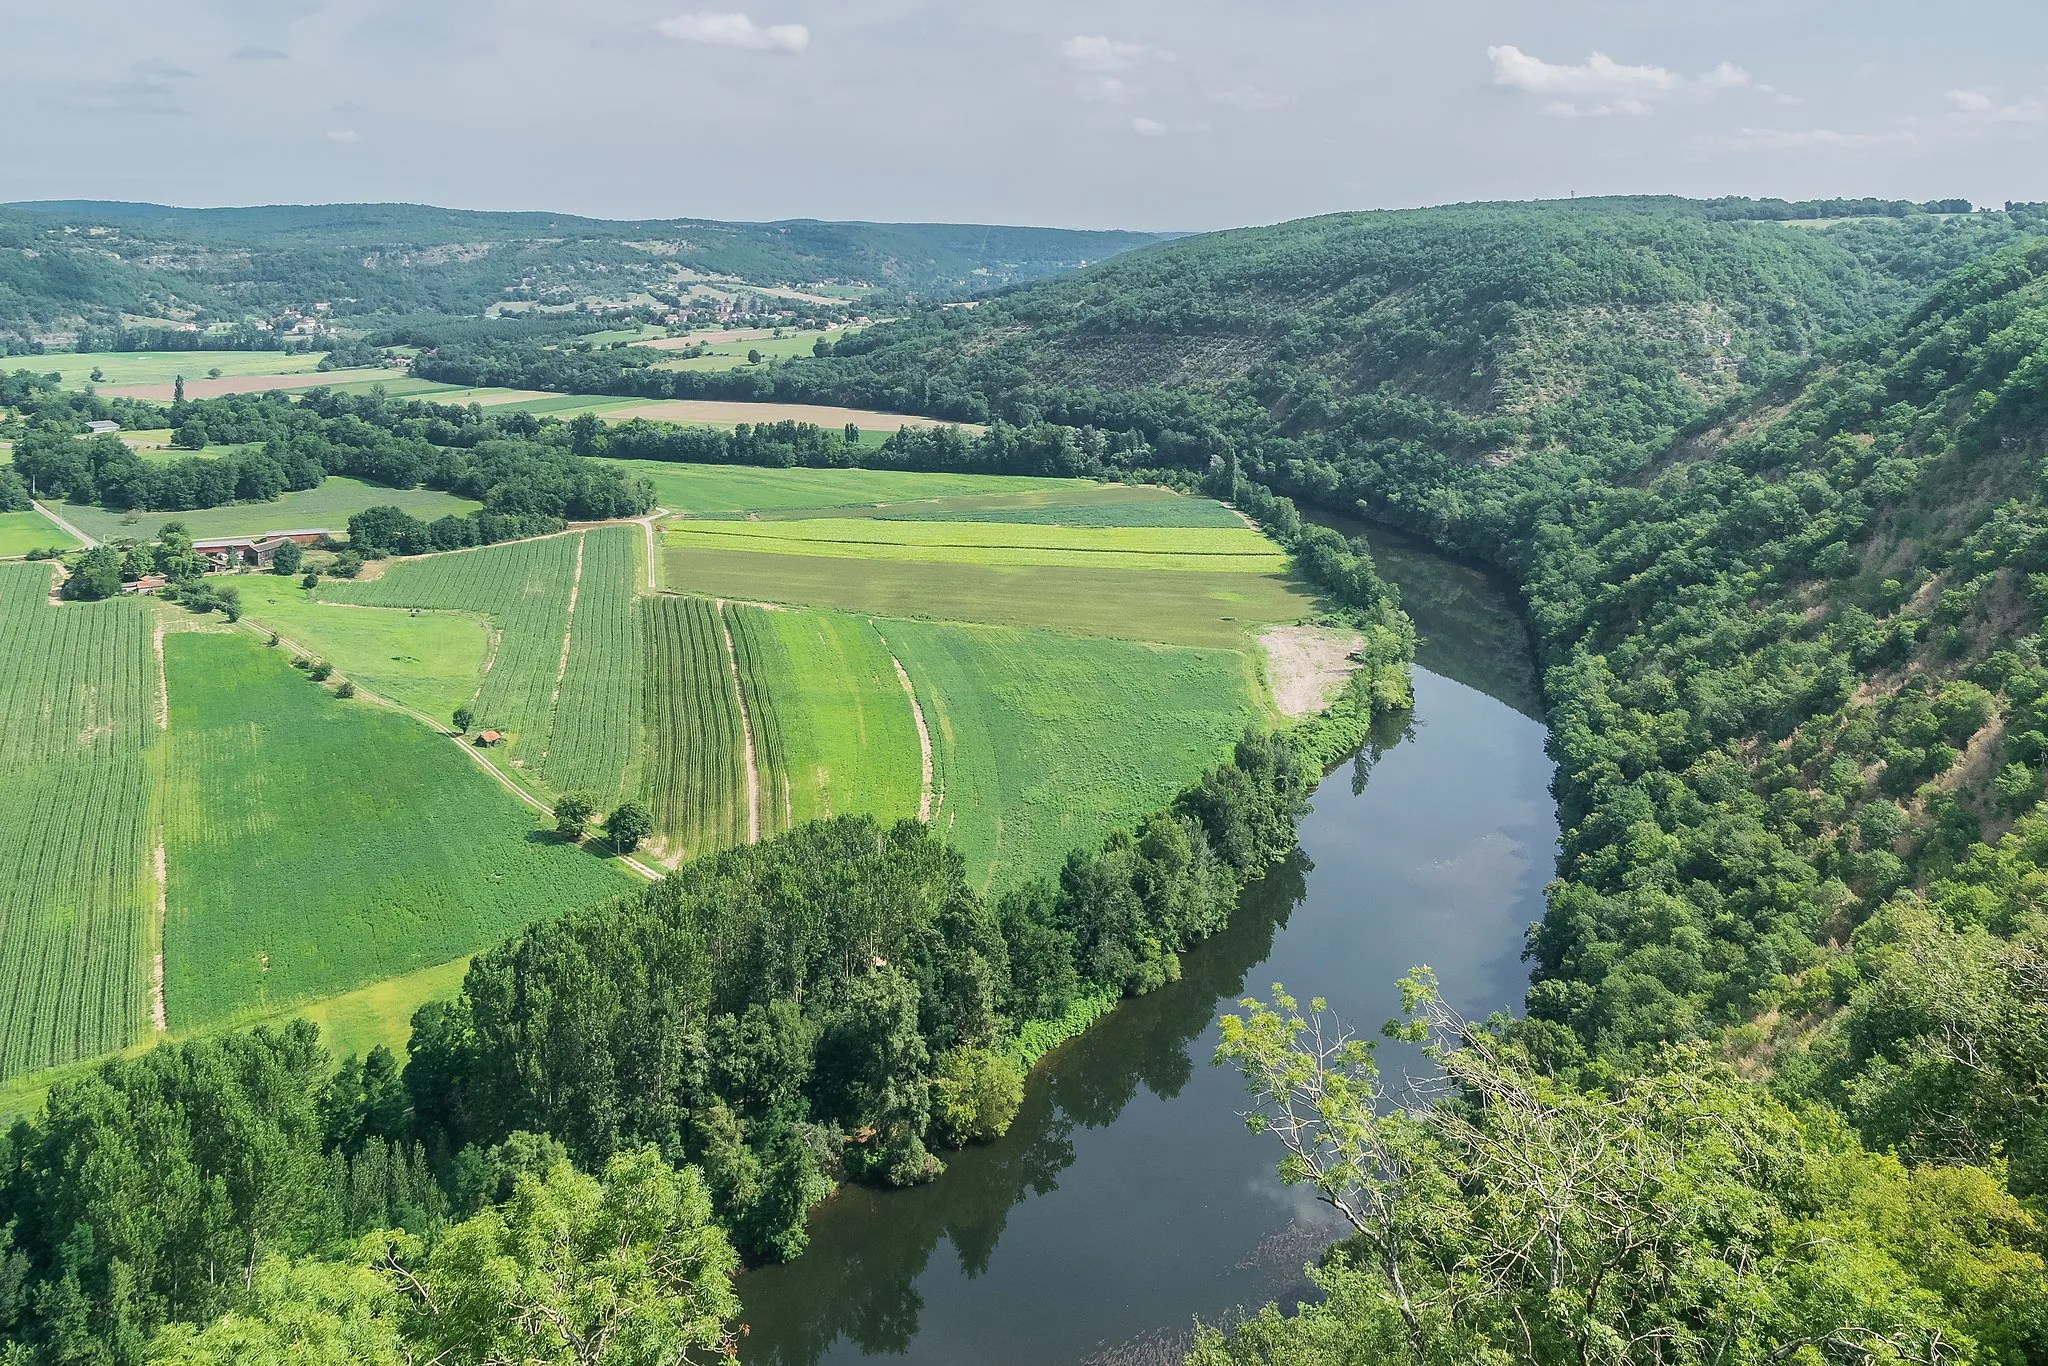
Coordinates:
(1128, 114)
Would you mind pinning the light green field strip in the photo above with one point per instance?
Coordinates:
(1030, 496)
(21, 532)
(318, 844)
(329, 506)
(701, 490)
(160, 367)
(78, 723)
(1238, 550)
(1044, 742)
(847, 732)
(595, 742)
(1134, 604)
(432, 662)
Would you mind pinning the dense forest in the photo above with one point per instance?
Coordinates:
(98, 266)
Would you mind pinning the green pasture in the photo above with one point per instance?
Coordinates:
(712, 490)
(21, 532)
(329, 505)
(1238, 550)
(317, 844)
(432, 662)
(847, 729)
(1135, 604)
(160, 367)
(732, 355)
(1043, 742)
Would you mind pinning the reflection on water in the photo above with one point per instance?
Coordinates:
(1128, 1198)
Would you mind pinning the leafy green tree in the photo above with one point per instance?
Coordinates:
(311, 580)
(975, 1095)
(229, 599)
(573, 811)
(191, 435)
(287, 559)
(464, 718)
(96, 575)
(629, 1271)
(627, 826)
(297, 1313)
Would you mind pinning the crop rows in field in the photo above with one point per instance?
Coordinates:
(597, 715)
(574, 724)
(77, 715)
(695, 780)
(317, 844)
(758, 653)
(702, 490)
(1044, 742)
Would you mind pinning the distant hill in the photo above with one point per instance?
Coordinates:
(70, 264)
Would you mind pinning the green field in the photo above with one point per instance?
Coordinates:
(849, 745)
(1135, 604)
(732, 354)
(21, 532)
(318, 844)
(708, 490)
(77, 730)
(161, 367)
(432, 662)
(1229, 550)
(696, 782)
(1043, 742)
(328, 506)
(564, 674)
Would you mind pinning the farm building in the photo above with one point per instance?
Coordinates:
(486, 738)
(228, 551)
(102, 428)
(303, 535)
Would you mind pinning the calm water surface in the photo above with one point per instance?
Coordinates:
(1128, 1199)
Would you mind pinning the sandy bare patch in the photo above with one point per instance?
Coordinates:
(1308, 665)
(720, 410)
(246, 384)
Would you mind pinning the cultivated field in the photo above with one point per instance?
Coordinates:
(564, 671)
(317, 844)
(729, 350)
(121, 368)
(432, 662)
(78, 722)
(1225, 550)
(1043, 742)
(21, 532)
(729, 490)
(696, 783)
(719, 412)
(329, 505)
(257, 382)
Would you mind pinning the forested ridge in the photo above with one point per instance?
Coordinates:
(71, 264)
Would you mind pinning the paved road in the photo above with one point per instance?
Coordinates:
(89, 541)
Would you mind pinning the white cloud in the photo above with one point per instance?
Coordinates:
(1600, 86)
(1100, 53)
(1978, 107)
(1148, 128)
(735, 30)
(343, 135)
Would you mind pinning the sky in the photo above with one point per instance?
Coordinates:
(1150, 114)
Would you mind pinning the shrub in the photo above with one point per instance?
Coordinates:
(347, 689)
(975, 1095)
(321, 671)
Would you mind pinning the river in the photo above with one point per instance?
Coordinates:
(1128, 1198)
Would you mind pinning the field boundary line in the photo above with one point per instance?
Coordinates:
(568, 627)
(63, 525)
(739, 694)
(157, 1018)
(163, 682)
(924, 742)
(504, 780)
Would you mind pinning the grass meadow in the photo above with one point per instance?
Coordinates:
(1135, 604)
(711, 490)
(21, 532)
(432, 662)
(1233, 550)
(730, 353)
(329, 505)
(78, 729)
(162, 367)
(318, 844)
(1043, 742)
